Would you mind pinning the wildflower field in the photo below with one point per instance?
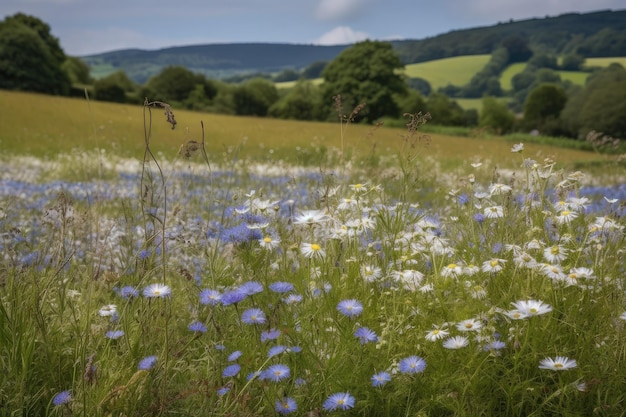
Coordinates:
(181, 285)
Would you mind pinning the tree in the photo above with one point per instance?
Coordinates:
(115, 87)
(420, 85)
(366, 73)
(173, 83)
(572, 62)
(543, 103)
(543, 61)
(254, 97)
(445, 111)
(600, 105)
(77, 70)
(496, 115)
(27, 62)
(314, 70)
(302, 102)
(43, 31)
(517, 48)
(287, 75)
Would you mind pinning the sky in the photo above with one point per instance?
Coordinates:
(87, 27)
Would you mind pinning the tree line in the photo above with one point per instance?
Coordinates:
(366, 75)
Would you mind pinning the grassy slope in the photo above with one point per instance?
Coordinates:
(46, 126)
(441, 72)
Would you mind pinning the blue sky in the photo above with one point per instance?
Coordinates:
(89, 26)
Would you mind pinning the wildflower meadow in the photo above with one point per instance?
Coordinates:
(179, 285)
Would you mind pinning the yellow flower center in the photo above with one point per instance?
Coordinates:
(469, 325)
(493, 263)
(267, 239)
(558, 365)
(315, 247)
(554, 250)
(565, 213)
(451, 266)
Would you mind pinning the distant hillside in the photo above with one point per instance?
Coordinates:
(595, 34)
(215, 60)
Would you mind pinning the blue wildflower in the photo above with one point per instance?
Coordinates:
(210, 297)
(278, 372)
(251, 287)
(380, 379)
(234, 356)
(128, 292)
(147, 363)
(114, 334)
(281, 286)
(339, 401)
(286, 405)
(253, 316)
(233, 297)
(270, 334)
(350, 308)
(61, 398)
(412, 365)
(365, 335)
(231, 370)
(276, 350)
(197, 327)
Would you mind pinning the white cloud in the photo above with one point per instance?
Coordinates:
(341, 35)
(338, 9)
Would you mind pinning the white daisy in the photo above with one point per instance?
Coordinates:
(269, 242)
(493, 212)
(559, 363)
(555, 254)
(456, 342)
(469, 325)
(493, 265)
(437, 334)
(312, 250)
(310, 217)
(532, 307)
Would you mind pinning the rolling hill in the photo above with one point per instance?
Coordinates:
(597, 34)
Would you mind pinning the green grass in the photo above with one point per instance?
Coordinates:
(291, 84)
(47, 126)
(605, 62)
(441, 72)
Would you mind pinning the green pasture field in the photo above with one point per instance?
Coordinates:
(291, 84)
(441, 72)
(46, 126)
(605, 62)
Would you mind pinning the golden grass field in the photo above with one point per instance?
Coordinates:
(46, 126)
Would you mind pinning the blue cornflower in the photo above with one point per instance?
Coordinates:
(281, 286)
(197, 327)
(276, 373)
(479, 217)
(234, 356)
(339, 401)
(253, 316)
(299, 382)
(223, 391)
(210, 297)
(286, 405)
(143, 254)
(380, 379)
(276, 350)
(128, 292)
(61, 398)
(251, 287)
(233, 297)
(231, 370)
(147, 363)
(219, 346)
(350, 308)
(412, 365)
(365, 335)
(270, 334)
(494, 345)
(114, 334)
(292, 299)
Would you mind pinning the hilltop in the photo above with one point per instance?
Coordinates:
(597, 34)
